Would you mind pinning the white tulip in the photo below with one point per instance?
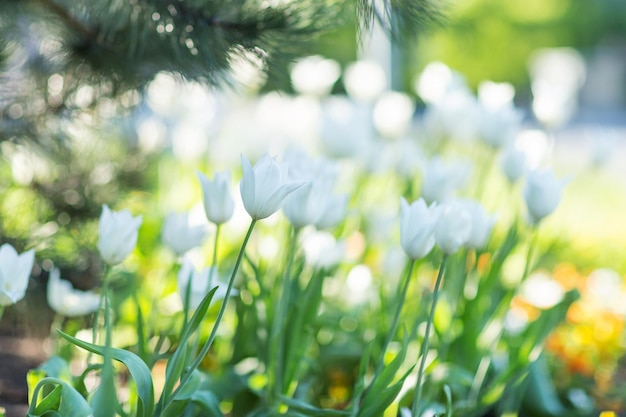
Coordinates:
(454, 227)
(201, 281)
(482, 224)
(179, 235)
(542, 194)
(417, 225)
(14, 274)
(218, 202)
(441, 179)
(67, 301)
(118, 234)
(513, 163)
(264, 187)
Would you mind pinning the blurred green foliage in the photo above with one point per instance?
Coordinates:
(493, 39)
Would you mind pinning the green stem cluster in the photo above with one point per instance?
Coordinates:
(425, 343)
(396, 317)
(220, 314)
(277, 332)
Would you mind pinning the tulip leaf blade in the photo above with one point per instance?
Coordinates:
(136, 366)
(64, 400)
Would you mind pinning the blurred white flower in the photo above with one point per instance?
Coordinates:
(67, 301)
(179, 235)
(513, 163)
(541, 291)
(494, 96)
(118, 234)
(557, 74)
(456, 116)
(393, 114)
(314, 203)
(359, 285)
(417, 226)
(14, 274)
(482, 224)
(453, 228)
(315, 75)
(322, 250)
(542, 194)
(604, 286)
(499, 127)
(364, 80)
(201, 283)
(405, 412)
(218, 202)
(334, 213)
(437, 80)
(264, 187)
(346, 127)
(407, 157)
(248, 68)
(440, 179)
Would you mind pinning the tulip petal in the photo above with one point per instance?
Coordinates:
(247, 185)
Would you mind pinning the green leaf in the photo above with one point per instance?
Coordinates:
(309, 410)
(359, 387)
(141, 332)
(208, 402)
(50, 401)
(63, 400)
(57, 367)
(379, 403)
(104, 400)
(389, 371)
(448, 392)
(137, 368)
(190, 393)
(541, 397)
(179, 360)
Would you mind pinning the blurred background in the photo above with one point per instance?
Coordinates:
(72, 139)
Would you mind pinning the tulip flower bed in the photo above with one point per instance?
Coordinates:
(325, 285)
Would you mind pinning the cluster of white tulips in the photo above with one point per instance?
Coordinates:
(372, 127)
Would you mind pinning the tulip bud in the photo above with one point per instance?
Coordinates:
(264, 187)
(200, 283)
(334, 212)
(440, 180)
(14, 274)
(482, 223)
(417, 224)
(454, 226)
(218, 202)
(118, 234)
(513, 164)
(542, 193)
(179, 235)
(66, 300)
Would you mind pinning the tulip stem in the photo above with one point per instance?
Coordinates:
(96, 316)
(529, 256)
(277, 333)
(214, 260)
(425, 342)
(396, 317)
(207, 345)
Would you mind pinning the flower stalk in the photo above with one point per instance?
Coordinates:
(207, 345)
(425, 342)
(396, 317)
(277, 335)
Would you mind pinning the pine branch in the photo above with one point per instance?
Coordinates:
(66, 17)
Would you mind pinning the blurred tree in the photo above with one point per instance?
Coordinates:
(493, 39)
(51, 49)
